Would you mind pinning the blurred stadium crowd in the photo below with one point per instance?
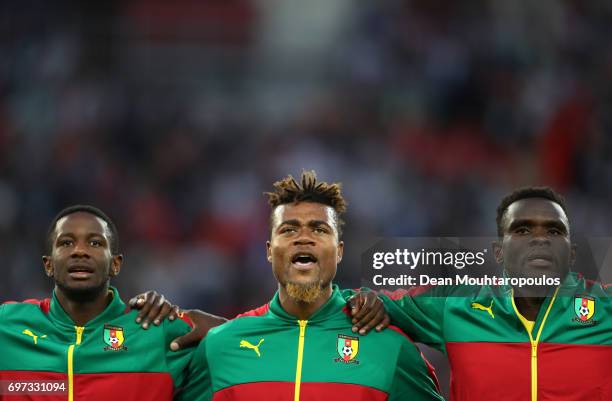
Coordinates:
(174, 117)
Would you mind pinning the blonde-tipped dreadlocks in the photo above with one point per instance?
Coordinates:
(288, 190)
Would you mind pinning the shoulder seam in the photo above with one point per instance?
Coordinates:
(44, 305)
(260, 311)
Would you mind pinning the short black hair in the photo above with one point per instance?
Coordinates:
(527, 193)
(289, 190)
(114, 240)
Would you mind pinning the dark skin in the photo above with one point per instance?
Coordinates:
(536, 241)
(306, 228)
(368, 312)
(309, 227)
(366, 308)
(154, 307)
(158, 308)
(81, 265)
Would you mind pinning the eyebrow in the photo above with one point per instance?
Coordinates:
(317, 223)
(71, 235)
(528, 222)
(311, 223)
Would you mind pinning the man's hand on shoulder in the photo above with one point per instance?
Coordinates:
(154, 307)
(202, 323)
(367, 311)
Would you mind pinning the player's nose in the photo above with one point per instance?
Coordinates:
(80, 249)
(304, 237)
(539, 236)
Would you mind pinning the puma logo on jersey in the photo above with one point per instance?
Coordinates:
(476, 305)
(35, 338)
(246, 344)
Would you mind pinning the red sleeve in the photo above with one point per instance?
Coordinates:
(43, 304)
(262, 310)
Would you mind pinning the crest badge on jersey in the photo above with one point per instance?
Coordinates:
(114, 338)
(584, 307)
(348, 348)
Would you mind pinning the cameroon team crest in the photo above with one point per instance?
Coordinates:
(584, 307)
(113, 337)
(348, 348)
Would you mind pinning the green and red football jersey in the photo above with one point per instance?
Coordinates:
(110, 358)
(493, 355)
(270, 355)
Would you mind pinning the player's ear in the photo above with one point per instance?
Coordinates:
(48, 265)
(498, 252)
(116, 265)
(269, 251)
(340, 251)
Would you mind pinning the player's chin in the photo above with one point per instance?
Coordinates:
(304, 277)
(83, 284)
(552, 271)
(303, 280)
(83, 290)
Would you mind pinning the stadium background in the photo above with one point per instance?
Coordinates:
(174, 117)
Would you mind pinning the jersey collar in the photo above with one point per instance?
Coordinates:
(334, 304)
(113, 310)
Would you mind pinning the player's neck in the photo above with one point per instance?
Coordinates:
(82, 312)
(300, 309)
(528, 300)
(529, 307)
